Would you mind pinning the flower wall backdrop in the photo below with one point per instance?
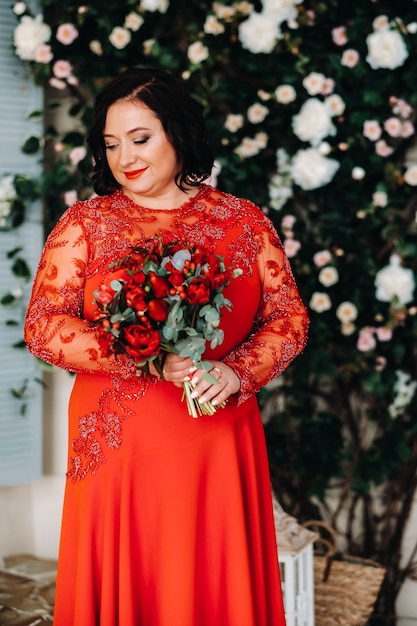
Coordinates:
(311, 108)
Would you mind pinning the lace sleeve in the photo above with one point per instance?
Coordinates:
(280, 326)
(55, 330)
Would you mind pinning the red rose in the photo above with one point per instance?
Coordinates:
(159, 284)
(135, 297)
(138, 277)
(198, 291)
(220, 279)
(210, 265)
(136, 259)
(158, 310)
(176, 278)
(119, 275)
(105, 294)
(142, 341)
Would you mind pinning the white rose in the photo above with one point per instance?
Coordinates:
(380, 198)
(280, 190)
(322, 257)
(224, 12)
(148, 45)
(328, 276)
(212, 26)
(381, 23)
(366, 340)
(291, 247)
(386, 49)
(324, 148)
(311, 170)
(288, 221)
(410, 175)
(233, 122)
(347, 328)
(281, 10)
(358, 173)
(394, 283)
(404, 389)
(346, 312)
(313, 83)
(19, 8)
(248, 147)
(120, 37)
(285, 94)
(258, 33)
(96, 47)
(335, 105)
(31, 33)
(197, 52)
(261, 140)
(313, 122)
(133, 21)
(257, 113)
(320, 302)
(283, 160)
(154, 5)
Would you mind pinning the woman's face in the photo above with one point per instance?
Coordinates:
(139, 155)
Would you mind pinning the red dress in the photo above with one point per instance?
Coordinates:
(167, 519)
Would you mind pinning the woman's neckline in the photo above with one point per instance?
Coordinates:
(203, 191)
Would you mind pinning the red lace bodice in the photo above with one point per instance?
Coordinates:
(263, 334)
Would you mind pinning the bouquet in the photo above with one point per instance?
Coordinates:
(164, 298)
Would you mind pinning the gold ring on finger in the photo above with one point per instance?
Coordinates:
(216, 369)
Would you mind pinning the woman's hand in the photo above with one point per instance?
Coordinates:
(227, 384)
(178, 370)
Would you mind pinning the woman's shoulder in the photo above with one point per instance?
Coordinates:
(234, 202)
(248, 216)
(242, 209)
(92, 205)
(86, 210)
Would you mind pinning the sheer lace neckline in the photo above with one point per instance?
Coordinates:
(190, 205)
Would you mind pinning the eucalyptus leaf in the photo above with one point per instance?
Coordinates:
(217, 339)
(192, 347)
(191, 332)
(212, 316)
(179, 258)
(170, 333)
(205, 309)
(116, 285)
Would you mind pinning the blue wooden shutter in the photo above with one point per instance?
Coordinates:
(20, 434)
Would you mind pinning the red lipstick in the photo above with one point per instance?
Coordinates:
(134, 173)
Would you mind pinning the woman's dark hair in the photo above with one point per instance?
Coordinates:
(180, 115)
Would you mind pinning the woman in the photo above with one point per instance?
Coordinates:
(167, 520)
